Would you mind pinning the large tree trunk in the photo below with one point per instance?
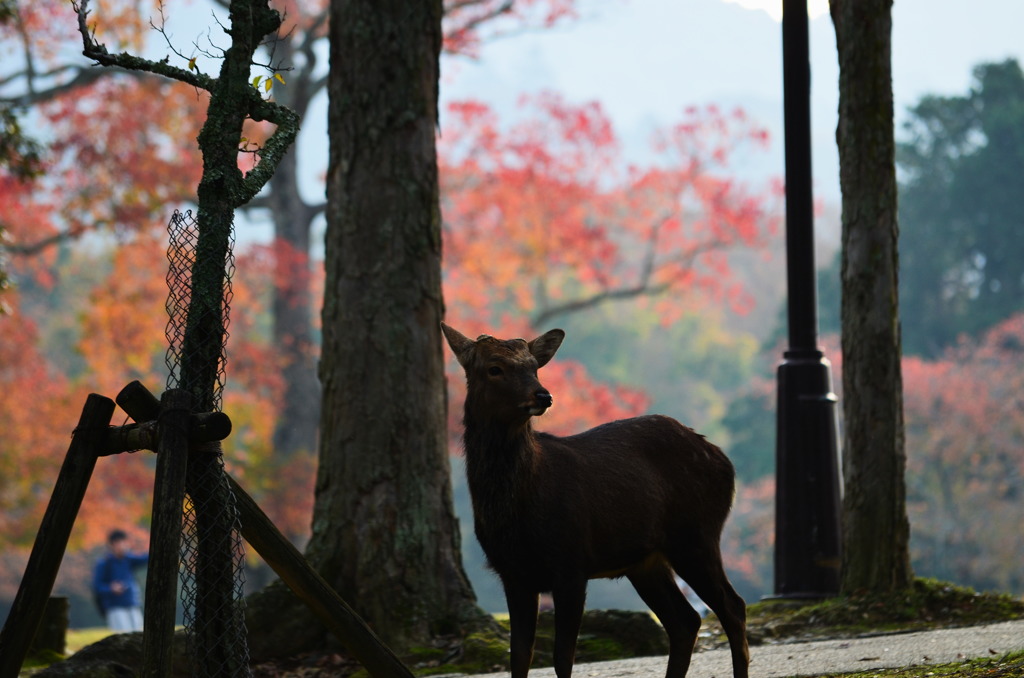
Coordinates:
(384, 530)
(875, 527)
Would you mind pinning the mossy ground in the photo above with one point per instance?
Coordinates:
(927, 604)
(605, 635)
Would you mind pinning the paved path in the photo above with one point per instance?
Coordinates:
(825, 656)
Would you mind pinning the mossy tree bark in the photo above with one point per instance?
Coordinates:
(875, 526)
(384, 530)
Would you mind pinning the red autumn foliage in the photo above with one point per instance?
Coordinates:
(578, 224)
(964, 429)
(965, 473)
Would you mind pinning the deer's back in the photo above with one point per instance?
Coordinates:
(652, 456)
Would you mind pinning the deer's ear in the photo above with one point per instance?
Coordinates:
(543, 347)
(462, 346)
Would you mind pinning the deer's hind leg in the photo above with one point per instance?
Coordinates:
(700, 564)
(655, 582)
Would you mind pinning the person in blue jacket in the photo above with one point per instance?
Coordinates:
(117, 591)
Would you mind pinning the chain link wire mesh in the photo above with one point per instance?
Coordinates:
(183, 230)
(212, 555)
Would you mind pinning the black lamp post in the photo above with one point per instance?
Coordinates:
(807, 523)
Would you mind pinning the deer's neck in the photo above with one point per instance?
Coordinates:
(501, 449)
(500, 464)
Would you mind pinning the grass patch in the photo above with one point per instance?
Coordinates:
(75, 640)
(41, 659)
(1007, 666)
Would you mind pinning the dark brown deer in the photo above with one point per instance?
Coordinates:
(638, 498)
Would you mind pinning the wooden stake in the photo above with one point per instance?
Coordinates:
(54, 532)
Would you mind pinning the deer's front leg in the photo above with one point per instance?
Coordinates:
(569, 598)
(522, 615)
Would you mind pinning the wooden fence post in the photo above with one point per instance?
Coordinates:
(165, 533)
(54, 532)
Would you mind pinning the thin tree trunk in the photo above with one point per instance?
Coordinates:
(875, 526)
(384, 530)
(299, 417)
(293, 306)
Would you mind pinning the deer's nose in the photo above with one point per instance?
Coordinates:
(543, 398)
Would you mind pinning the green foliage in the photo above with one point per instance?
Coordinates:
(961, 255)
(41, 658)
(19, 156)
(689, 370)
(829, 296)
(750, 420)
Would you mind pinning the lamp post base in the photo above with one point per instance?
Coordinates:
(807, 510)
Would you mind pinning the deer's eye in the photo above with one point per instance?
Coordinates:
(495, 371)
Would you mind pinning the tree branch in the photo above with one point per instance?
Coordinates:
(456, 5)
(312, 35)
(98, 53)
(274, 148)
(286, 120)
(317, 209)
(30, 64)
(83, 78)
(31, 249)
(595, 299)
(503, 8)
(260, 202)
(643, 286)
(317, 85)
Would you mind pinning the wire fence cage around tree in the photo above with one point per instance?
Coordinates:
(212, 555)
